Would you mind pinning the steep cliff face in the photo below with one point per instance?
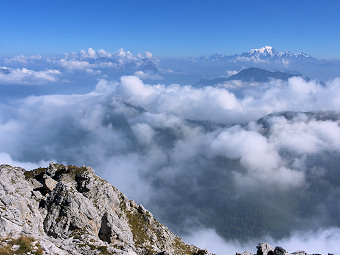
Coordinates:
(70, 210)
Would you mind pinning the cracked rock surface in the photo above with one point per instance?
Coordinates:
(266, 249)
(70, 210)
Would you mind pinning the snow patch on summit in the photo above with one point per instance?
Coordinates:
(266, 50)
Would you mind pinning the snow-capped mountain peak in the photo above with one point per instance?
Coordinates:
(266, 50)
(263, 55)
(269, 51)
(305, 55)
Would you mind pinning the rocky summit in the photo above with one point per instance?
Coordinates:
(70, 210)
(267, 249)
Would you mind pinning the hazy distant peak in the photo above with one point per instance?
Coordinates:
(252, 74)
(269, 51)
(265, 54)
(266, 50)
(304, 55)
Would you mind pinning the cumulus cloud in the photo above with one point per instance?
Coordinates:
(319, 242)
(26, 76)
(148, 54)
(147, 75)
(95, 62)
(231, 72)
(88, 54)
(103, 54)
(221, 105)
(210, 240)
(75, 64)
(306, 136)
(38, 69)
(258, 156)
(256, 163)
(21, 59)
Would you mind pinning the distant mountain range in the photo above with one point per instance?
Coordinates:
(262, 55)
(192, 69)
(251, 74)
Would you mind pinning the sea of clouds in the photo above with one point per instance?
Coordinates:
(216, 165)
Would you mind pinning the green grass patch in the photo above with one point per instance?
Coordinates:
(25, 246)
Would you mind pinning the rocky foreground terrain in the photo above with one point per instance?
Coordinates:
(70, 210)
(266, 249)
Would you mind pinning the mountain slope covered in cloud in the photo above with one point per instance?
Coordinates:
(251, 74)
(241, 162)
(250, 165)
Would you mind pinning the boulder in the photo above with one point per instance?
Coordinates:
(264, 249)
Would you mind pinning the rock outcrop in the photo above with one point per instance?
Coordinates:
(70, 210)
(266, 249)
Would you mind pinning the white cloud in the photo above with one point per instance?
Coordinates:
(306, 136)
(258, 156)
(210, 240)
(200, 149)
(21, 59)
(95, 62)
(323, 241)
(183, 101)
(99, 63)
(75, 64)
(168, 106)
(231, 72)
(26, 76)
(103, 54)
(144, 133)
(89, 54)
(220, 105)
(147, 75)
(148, 54)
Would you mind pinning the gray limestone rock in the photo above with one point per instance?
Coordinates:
(50, 183)
(70, 210)
(264, 249)
(244, 253)
(299, 253)
(280, 251)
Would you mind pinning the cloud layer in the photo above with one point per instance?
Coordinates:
(320, 242)
(71, 68)
(252, 163)
(26, 76)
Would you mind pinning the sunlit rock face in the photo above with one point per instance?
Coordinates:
(70, 210)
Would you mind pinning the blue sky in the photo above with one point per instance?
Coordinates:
(170, 28)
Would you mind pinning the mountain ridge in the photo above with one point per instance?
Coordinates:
(70, 210)
(252, 74)
(261, 55)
